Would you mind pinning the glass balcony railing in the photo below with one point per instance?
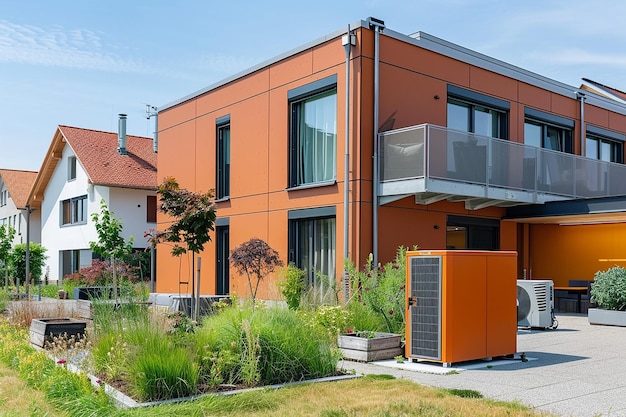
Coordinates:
(434, 155)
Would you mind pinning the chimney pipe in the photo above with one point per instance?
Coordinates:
(121, 134)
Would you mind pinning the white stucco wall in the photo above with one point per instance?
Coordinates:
(10, 215)
(129, 206)
(56, 238)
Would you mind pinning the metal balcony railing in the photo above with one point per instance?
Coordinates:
(433, 159)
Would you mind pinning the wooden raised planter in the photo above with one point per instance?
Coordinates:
(366, 349)
(44, 330)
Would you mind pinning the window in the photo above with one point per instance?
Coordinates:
(313, 133)
(73, 260)
(543, 130)
(222, 256)
(3, 197)
(71, 168)
(472, 233)
(151, 209)
(604, 145)
(223, 158)
(74, 211)
(477, 113)
(312, 243)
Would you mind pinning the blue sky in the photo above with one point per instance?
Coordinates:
(80, 63)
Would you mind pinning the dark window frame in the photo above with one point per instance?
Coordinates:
(549, 121)
(614, 139)
(73, 211)
(474, 100)
(151, 209)
(223, 153)
(296, 99)
(71, 168)
(307, 217)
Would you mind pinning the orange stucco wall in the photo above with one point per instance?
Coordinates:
(561, 253)
(413, 90)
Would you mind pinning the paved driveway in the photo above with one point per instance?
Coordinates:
(576, 370)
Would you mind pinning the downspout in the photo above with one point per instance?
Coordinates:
(583, 136)
(378, 26)
(347, 40)
(27, 271)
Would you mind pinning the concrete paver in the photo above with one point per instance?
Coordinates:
(576, 370)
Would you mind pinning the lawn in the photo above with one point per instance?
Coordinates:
(374, 396)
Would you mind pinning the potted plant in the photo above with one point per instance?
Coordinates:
(608, 293)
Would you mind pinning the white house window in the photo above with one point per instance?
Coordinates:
(74, 210)
(71, 168)
(4, 195)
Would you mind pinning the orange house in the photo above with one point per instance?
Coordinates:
(367, 139)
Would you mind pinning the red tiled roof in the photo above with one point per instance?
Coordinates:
(19, 184)
(97, 153)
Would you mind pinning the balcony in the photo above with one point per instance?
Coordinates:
(434, 163)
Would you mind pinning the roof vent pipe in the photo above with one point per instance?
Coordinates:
(151, 111)
(121, 134)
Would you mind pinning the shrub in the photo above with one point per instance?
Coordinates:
(381, 288)
(17, 262)
(255, 259)
(292, 285)
(608, 290)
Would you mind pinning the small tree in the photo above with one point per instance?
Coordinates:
(193, 214)
(256, 259)
(194, 219)
(7, 233)
(17, 262)
(110, 245)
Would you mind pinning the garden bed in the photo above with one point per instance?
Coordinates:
(46, 329)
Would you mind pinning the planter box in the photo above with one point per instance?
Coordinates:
(367, 349)
(44, 330)
(84, 309)
(607, 317)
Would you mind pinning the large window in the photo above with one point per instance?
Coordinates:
(548, 131)
(313, 133)
(223, 158)
(312, 244)
(74, 210)
(604, 145)
(73, 260)
(477, 113)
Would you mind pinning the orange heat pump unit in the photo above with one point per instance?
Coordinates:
(461, 305)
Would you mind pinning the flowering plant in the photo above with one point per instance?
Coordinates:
(381, 288)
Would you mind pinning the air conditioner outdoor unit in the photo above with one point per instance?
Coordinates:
(535, 305)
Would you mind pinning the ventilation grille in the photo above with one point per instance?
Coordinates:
(426, 315)
(541, 295)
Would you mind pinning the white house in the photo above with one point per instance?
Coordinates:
(81, 168)
(14, 188)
